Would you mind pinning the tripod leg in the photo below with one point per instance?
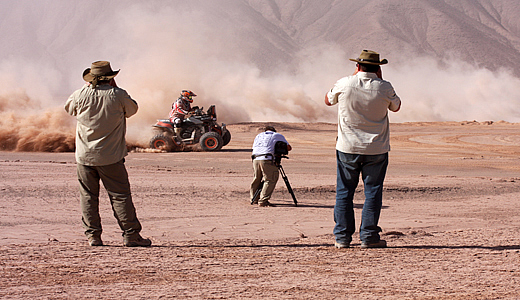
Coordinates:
(286, 180)
(257, 192)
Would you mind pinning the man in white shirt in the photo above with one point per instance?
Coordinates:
(364, 99)
(264, 166)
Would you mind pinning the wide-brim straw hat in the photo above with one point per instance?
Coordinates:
(370, 58)
(99, 70)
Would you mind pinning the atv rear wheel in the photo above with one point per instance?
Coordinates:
(161, 142)
(211, 141)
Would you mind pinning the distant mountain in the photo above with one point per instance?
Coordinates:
(482, 32)
(262, 60)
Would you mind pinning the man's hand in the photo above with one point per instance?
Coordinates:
(327, 102)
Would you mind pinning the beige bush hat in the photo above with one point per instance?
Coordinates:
(99, 70)
(369, 57)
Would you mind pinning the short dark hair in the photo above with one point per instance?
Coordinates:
(269, 128)
(369, 68)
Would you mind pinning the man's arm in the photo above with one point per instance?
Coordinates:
(280, 138)
(70, 107)
(331, 97)
(129, 104)
(395, 101)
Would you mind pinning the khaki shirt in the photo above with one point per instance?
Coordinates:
(364, 101)
(101, 113)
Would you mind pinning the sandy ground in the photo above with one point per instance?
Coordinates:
(451, 218)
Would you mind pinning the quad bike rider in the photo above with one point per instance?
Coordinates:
(180, 108)
(190, 126)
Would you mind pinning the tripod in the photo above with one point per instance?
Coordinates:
(285, 179)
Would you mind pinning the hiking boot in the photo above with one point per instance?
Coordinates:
(177, 138)
(266, 204)
(341, 245)
(136, 241)
(178, 141)
(380, 244)
(95, 241)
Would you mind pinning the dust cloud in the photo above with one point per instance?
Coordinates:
(44, 132)
(453, 90)
(162, 49)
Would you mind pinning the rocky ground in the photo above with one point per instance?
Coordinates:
(451, 218)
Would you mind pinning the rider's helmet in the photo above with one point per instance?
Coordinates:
(187, 95)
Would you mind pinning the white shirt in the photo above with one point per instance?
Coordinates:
(264, 144)
(364, 101)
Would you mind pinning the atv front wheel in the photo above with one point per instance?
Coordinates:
(211, 141)
(161, 142)
(226, 137)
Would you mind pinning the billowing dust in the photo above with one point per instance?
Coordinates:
(161, 52)
(50, 130)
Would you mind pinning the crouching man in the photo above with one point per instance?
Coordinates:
(264, 165)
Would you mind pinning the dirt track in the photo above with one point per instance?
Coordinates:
(451, 218)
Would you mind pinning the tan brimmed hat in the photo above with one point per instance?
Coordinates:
(99, 70)
(370, 58)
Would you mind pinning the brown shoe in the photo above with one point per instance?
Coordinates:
(136, 241)
(341, 245)
(380, 244)
(266, 204)
(95, 241)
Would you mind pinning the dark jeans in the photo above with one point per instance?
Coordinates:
(115, 180)
(372, 169)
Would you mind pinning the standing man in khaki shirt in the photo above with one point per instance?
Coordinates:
(364, 100)
(101, 109)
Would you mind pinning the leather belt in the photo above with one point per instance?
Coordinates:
(253, 157)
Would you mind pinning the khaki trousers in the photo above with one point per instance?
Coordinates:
(115, 181)
(264, 170)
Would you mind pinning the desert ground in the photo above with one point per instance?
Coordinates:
(451, 218)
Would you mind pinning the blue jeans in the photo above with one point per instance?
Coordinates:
(372, 169)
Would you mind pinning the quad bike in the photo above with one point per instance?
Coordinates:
(198, 128)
